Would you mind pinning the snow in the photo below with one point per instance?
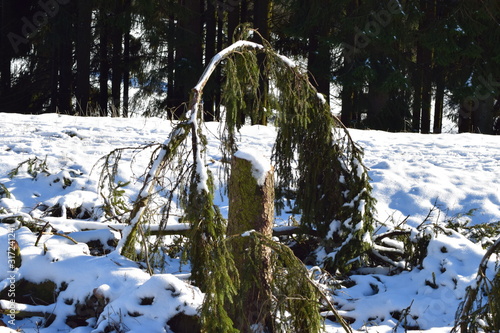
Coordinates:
(289, 62)
(260, 164)
(247, 233)
(219, 56)
(410, 174)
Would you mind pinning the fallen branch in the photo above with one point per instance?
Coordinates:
(19, 310)
(464, 316)
(184, 230)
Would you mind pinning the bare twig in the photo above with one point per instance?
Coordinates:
(463, 319)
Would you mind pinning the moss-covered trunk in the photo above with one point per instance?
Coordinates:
(251, 207)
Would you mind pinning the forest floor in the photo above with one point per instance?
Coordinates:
(416, 179)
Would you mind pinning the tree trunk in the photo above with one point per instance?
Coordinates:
(233, 18)
(5, 47)
(54, 68)
(251, 207)
(377, 99)
(116, 61)
(188, 55)
(426, 91)
(126, 57)
(61, 67)
(319, 61)
(347, 115)
(82, 46)
(465, 119)
(482, 117)
(211, 25)
(424, 65)
(65, 72)
(439, 103)
(417, 92)
(262, 10)
(218, 73)
(103, 62)
(171, 41)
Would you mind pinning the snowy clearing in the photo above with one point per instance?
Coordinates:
(411, 173)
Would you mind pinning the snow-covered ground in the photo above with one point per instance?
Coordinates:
(411, 173)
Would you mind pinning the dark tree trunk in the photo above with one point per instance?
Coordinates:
(61, 67)
(425, 65)
(53, 78)
(171, 64)
(83, 42)
(126, 57)
(417, 92)
(483, 116)
(465, 120)
(439, 103)
(103, 62)
(262, 10)
(426, 92)
(210, 39)
(188, 56)
(233, 18)
(66, 72)
(5, 47)
(116, 61)
(347, 113)
(319, 61)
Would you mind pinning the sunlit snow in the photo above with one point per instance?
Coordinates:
(410, 174)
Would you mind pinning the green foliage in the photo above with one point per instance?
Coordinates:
(34, 166)
(330, 182)
(481, 233)
(4, 191)
(494, 303)
(115, 203)
(213, 269)
(330, 185)
(405, 247)
(480, 309)
(241, 89)
(316, 160)
(164, 159)
(321, 182)
(297, 299)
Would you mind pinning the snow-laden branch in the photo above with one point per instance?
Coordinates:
(221, 56)
(197, 92)
(126, 244)
(464, 316)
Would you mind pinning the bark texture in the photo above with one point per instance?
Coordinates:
(251, 207)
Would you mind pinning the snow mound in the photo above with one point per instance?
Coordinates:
(410, 173)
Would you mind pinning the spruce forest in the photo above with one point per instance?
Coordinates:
(218, 166)
(390, 65)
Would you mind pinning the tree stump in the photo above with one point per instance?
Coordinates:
(251, 208)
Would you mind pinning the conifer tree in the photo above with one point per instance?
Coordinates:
(330, 186)
(103, 54)
(82, 54)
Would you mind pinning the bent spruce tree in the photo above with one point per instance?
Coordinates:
(318, 168)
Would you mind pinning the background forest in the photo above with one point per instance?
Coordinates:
(398, 65)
